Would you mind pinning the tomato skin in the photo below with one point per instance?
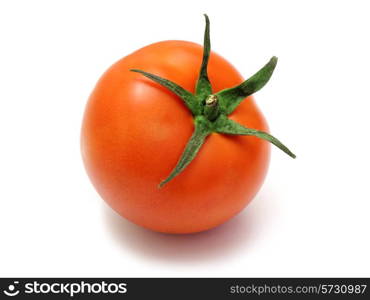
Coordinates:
(134, 132)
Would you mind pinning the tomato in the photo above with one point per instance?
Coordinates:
(134, 131)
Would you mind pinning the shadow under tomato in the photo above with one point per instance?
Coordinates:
(234, 236)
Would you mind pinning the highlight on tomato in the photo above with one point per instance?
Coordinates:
(172, 138)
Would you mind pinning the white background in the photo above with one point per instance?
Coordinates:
(311, 217)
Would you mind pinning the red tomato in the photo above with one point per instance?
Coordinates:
(134, 131)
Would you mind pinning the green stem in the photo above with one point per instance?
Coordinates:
(231, 98)
(203, 86)
(201, 131)
(188, 98)
(225, 125)
(210, 110)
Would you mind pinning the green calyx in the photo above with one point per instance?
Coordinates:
(210, 110)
